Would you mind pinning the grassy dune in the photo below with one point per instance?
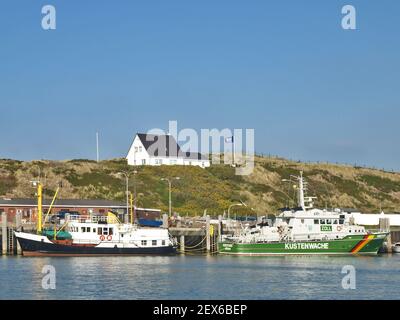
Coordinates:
(214, 188)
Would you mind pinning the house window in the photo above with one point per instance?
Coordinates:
(136, 149)
(140, 149)
(143, 161)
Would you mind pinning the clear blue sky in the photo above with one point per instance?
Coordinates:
(311, 90)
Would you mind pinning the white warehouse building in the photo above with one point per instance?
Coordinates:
(155, 150)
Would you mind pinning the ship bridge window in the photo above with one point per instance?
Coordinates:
(316, 221)
(111, 231)
(154, 242)
(322, 221)
(163, 242)
(302, 220)
(341, 221)
(144, 242)
(328, 221)
(105, 231)
(335, 221)
(99, 231)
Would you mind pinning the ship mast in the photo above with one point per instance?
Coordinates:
(303, 201)
(301, 192)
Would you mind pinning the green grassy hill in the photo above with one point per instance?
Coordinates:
(214, 188)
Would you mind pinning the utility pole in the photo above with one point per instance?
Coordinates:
(170, 187)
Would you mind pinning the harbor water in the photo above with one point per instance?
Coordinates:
(200, 277)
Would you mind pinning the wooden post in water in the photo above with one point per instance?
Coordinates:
(165, 221)
(17, 228)
(4, 233)
(208, 238)
(219, 235)
(182, 244)
(384, 225)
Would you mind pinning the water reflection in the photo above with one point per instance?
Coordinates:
(199, 277)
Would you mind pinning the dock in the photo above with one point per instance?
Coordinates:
(193, 235)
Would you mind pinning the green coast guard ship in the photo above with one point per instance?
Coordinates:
(304, 231)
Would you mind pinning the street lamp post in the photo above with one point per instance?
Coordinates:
(233, 205)
(126, 174)
(134, 194)
(170, 187)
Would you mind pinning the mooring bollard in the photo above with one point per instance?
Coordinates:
(4, 233)
(17, 228)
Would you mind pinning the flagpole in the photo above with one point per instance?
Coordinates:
(233, 151)
(97, 146)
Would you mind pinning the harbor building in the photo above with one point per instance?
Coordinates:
(27, 208)
(155, 150)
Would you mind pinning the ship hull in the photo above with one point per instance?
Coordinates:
(36, 247)
(350, 245)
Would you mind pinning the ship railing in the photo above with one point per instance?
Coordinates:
(93, 241)
(87, 218)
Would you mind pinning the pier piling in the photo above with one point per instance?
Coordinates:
(208, 237)
(384, 225)
(165, 221)
(220, 227)
(17, 228)
(4, 233)
(182, 244)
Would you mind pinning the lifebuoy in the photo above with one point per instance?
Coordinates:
(339, 228)
(109, 237)
(102, 238)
